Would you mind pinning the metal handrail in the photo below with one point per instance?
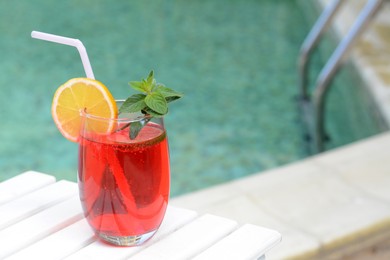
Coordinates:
(327, 73)
(311, 41)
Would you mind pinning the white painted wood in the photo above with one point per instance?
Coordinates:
(45, 221)
(189, 240)
(60, 244)
(23, 184)
(36, 201)
(40, 225)
(174, 219)
(248, 242)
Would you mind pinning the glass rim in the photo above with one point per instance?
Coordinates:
(132, 117)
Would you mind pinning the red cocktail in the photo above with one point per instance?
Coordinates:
(123, 182)
(123, 171)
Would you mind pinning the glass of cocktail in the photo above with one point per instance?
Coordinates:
(123, 166)
(123, 182)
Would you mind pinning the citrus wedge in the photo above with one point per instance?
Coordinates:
(76, 95)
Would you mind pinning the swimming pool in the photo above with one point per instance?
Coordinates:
(234, 60)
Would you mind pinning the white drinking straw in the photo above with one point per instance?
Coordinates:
(71, 42)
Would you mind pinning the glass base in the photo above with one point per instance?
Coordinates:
(127, 241)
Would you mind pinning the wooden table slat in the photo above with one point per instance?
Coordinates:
(188, 241)
(35, 201)
(65, 242)
(42, 218)
(30, 230)
(174, 219)
(23, 184)
(247, 242)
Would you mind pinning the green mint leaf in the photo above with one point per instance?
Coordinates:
(157, 102)
(150, 80)
(136, 127)
(167, 92)
(153, 102)
(148, 87)
(133, 104)
(170, 99)
(139, 86)
(151, 112)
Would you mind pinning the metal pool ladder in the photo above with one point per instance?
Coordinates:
(312, 106)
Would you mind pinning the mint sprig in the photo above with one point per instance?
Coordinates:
(153, 101)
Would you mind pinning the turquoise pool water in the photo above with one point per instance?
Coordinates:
(234, 60)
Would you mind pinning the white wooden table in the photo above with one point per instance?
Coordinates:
(41, 218)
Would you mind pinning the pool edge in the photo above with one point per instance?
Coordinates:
(334, 204)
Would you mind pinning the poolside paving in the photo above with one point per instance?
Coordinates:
(371, 52)
(329, 205)
(335, 205)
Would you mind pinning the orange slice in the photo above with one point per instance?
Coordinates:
(78, 94)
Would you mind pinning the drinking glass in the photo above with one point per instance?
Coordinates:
(123, 182)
